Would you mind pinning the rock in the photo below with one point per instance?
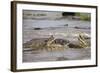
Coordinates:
(71, 45)
(37, 28)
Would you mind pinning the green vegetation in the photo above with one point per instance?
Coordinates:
(84, 16)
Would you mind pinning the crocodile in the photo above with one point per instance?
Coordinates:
(49, 44)
(53, 44)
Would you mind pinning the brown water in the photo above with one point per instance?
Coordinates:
(58, 30)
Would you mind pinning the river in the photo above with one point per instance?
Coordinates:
(67, 29)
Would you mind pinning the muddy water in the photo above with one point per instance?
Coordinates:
(58, 29)
(68, 54)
